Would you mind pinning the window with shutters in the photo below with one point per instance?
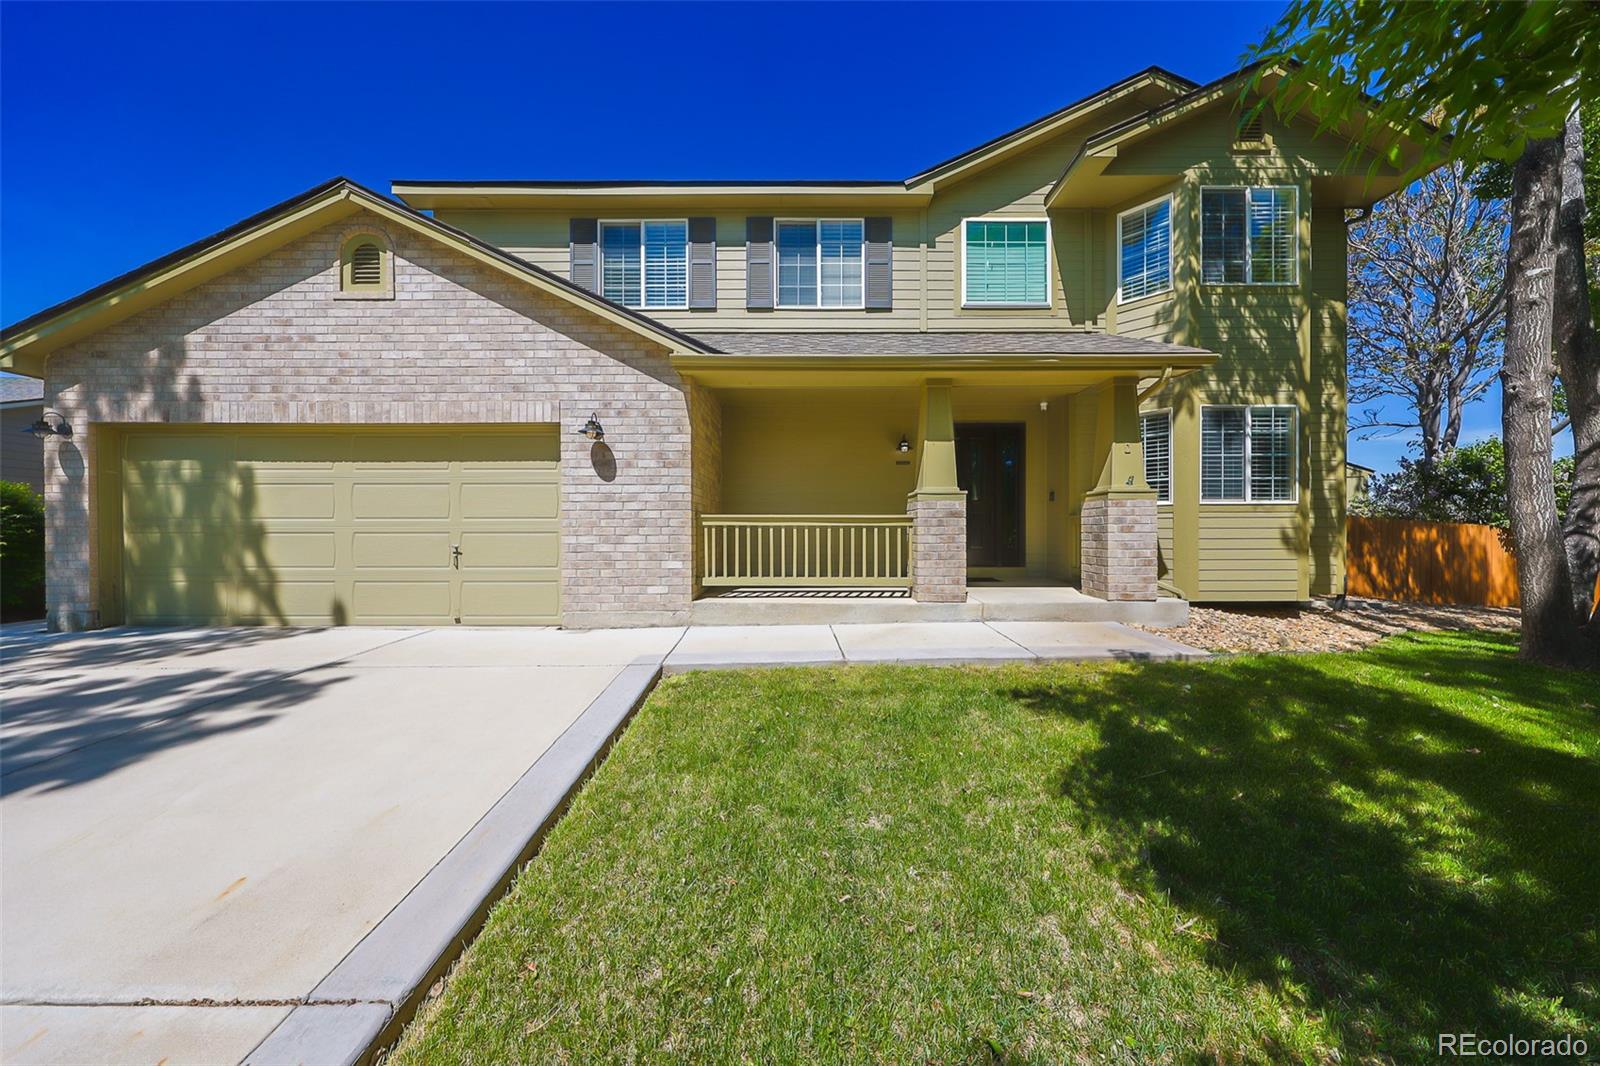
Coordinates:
(365, 266)
(1247, 454)
(1249, 235)
(1005, 262)
(820, 262)
(1144, 237)
(645, 263)
(1155, 433)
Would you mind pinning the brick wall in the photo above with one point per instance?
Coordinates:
(458, 342)
(938, 550)
(1119, 547)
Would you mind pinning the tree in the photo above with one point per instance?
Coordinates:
(1427, 305)
(21, 551)
(1500, 82)
(1466, 484)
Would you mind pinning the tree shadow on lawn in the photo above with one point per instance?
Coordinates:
(1399, 867)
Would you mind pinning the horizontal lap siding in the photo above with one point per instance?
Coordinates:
(1247, 553)
(1164, 542)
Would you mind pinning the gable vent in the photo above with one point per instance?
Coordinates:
(1250, 130)
(366, 265)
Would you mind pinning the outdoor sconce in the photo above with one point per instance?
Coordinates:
(593, 429)
(904, 445)
(46, 428)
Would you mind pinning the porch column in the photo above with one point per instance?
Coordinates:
(937, 506)
(1119, 513)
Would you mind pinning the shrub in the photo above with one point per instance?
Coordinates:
(21, 551)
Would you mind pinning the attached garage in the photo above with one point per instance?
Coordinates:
(354, 525)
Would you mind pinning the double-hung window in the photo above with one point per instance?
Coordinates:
(1247, 454)
(1248, 236)
(820, 263)
(1144, 239)
(1005, 263)
(1155, 433)
(645, 264)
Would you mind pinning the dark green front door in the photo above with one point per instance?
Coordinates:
(989, 468)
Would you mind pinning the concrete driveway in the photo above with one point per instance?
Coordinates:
(200, 826)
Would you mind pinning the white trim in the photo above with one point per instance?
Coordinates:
(1171, 205)
(1294, 455)
(1171, 453)
(1294, 254)
(600, 260)
(1049, 270)
(816, 224)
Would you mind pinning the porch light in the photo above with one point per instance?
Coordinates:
(904, 445)
(593, 429)
(45, 427)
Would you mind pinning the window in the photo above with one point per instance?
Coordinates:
(645, 264)
(820, 263)
(1248, 236)
(364, 267)
(1006, 263)
(1155, 433)
(1145, 238)
(1247, 453)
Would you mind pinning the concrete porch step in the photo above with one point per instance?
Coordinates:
(998, 603)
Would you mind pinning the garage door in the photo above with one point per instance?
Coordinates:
(368, 527)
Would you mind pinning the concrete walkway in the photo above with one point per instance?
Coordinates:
(257, 844)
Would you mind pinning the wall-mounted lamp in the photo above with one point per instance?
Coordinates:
(593, 429)
(904, 445)
(51, 424)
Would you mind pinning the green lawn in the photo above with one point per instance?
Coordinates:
(1257, 858)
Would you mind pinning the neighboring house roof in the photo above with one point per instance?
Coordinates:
(912, 343)
(1358, 466)
(18, 392)
(24, 344)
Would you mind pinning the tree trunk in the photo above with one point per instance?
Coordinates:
(1577, 350)
(1549, 629)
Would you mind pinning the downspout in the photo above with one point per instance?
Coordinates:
(1166, 375)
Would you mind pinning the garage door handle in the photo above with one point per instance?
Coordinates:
(455, 556)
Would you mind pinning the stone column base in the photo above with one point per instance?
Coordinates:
(1119, 547)
(938, 549)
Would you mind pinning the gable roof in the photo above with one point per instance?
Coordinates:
(24, 344)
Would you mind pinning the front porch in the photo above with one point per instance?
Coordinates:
(987, 600)
(1013, 496)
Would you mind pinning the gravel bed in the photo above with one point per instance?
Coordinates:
(1320, 627)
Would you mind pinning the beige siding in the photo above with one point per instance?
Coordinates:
(1164, 542)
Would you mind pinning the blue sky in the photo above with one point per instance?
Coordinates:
(130, 130)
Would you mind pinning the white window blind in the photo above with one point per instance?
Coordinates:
(1247, 453)
(820, 263)
(1006, 264)
(1248, 236)
(1146, 260)
(1155, 433)
(645, 264)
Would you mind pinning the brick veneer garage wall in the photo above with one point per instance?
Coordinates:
(274, 343)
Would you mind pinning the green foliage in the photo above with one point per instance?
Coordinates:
(1465, 484)
(1284, 859)
(1473, 80)
(21, 551)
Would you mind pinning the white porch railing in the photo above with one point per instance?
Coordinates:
(797, 550)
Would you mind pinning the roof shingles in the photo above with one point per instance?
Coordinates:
(966, 342)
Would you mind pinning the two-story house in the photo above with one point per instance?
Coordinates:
(1104, 350)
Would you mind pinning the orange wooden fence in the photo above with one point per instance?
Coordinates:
(1428, 562)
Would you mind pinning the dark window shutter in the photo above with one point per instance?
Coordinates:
(880, 263)
(702, 263)
(583, 235)
(758, 286)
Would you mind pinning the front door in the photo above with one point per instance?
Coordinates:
(989, 468)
